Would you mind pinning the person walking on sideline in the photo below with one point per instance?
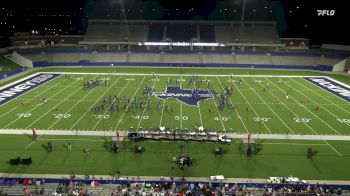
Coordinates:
(34, 135)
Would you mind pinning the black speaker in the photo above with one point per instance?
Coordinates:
(249, 151)
(15, 161)
(27, 161)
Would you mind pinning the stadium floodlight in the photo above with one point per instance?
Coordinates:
(179, 44)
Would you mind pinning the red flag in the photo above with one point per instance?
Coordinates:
(248, 137)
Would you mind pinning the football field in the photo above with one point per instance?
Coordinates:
(85, 107)
(235, 103)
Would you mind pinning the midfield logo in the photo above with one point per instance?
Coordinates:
(186, 96)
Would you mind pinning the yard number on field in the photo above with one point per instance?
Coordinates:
(346, 121)
(179, 118)
(61, 116)
(256, 119)
(101, 116)
(224, 118)
(138, 117)
(24, 115)
(301, 120)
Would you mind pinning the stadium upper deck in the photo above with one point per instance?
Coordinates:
(115, 31)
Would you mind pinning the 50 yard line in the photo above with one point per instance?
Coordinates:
(161, 116)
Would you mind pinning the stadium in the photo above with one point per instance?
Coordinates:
(232, 97)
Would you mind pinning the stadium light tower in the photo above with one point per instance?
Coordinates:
(243, 12)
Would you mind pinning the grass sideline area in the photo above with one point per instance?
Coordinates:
(267, 113)
(7, 64)
(277, 158)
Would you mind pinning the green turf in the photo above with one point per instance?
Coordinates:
(282, 159)
(277, 158)
(5, 62)
(257, 111)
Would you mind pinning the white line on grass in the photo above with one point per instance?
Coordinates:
(74, 139)
(72, 107)
(332, 148)
(199, 109)
(321, 95)
(29, 98)
(31, 143)
(144, 109)
(180, 105)
(53, 107)
(244, 125)
(268, 129)
(120, 120)
(217, 110)
(271, 108)
(291, 111)
(122, 90)
(161, 116)
(295, 144)
(39, 105)
(312, 112)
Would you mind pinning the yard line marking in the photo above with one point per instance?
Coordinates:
(31, 99)
(31, 143)
(271, 108)
(200, 115)
(245, 127)
(120, 120)
(53, 107)
(199, 108)
(296, 144)
(288, 108)
(268, 129)
(144, 109)
(216, 107)
(180, 106)
(71, 108)
(99, 120)
(333, 148)
(74, 139)
(321, 95)
(38, 105)
(161, 116)
(313, 112)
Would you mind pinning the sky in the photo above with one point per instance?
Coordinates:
(295, 18)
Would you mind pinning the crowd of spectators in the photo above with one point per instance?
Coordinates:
(136, 186)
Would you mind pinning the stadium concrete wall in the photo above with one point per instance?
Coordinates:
(258, 66)
(339, 67)
(22, 60)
